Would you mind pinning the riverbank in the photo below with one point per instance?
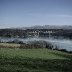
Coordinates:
(59, 43)
(32, 45)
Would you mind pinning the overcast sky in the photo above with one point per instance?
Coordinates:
(23, 13)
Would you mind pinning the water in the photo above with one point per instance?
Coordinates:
(60, 43)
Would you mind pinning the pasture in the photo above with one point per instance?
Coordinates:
(34, 60)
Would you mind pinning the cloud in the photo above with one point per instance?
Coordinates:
(70, 16)
(49, 15)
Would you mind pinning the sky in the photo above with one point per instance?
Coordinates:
(25, 13)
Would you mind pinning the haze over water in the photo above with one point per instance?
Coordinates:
(60, 43)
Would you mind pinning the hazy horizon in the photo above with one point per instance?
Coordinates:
(27, 13)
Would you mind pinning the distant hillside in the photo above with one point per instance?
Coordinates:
(65, 27)
(47, 27)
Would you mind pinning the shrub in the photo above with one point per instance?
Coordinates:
(37, 44)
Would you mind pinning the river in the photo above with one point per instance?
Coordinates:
(60, 43)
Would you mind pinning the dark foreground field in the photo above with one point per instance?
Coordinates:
(34, 60)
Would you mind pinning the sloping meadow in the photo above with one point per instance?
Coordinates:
(34, 60)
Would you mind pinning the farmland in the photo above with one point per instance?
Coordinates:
(34, 60)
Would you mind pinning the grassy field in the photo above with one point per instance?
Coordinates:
(34, 60)
(31, 53)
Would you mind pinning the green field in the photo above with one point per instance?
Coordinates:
(31, 53)
(34, 60)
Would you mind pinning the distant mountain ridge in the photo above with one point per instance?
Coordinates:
(47, 27)
(44, 27)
